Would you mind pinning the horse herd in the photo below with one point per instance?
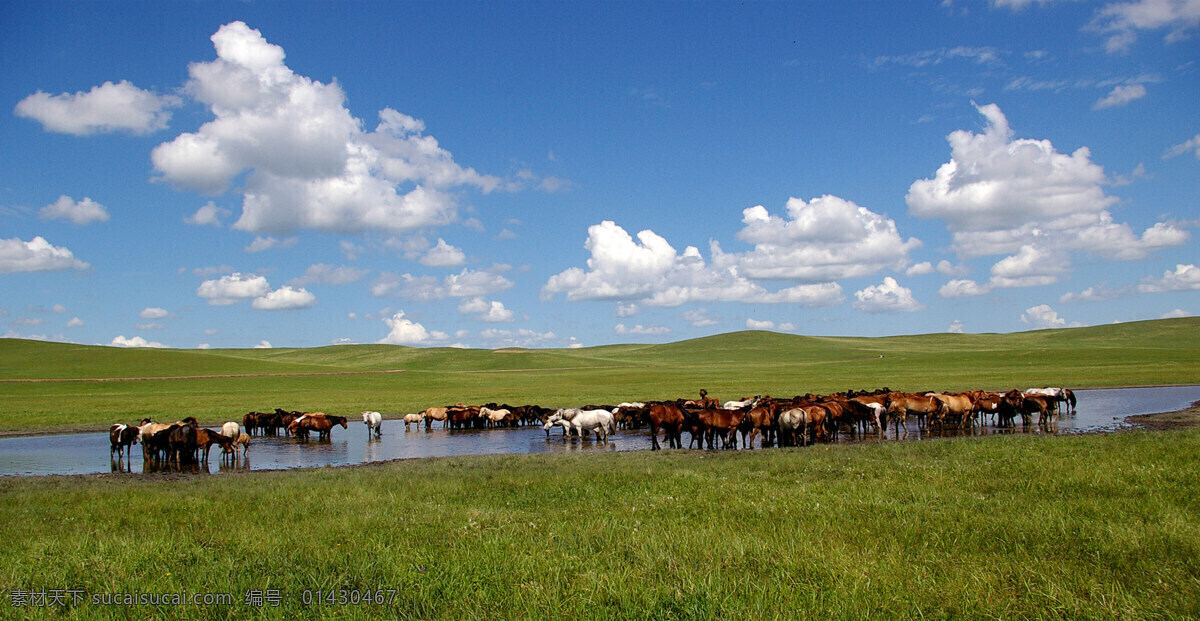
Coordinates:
(795, 421)
(799, 420)
(186, 442)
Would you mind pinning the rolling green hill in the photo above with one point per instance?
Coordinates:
(220, 384)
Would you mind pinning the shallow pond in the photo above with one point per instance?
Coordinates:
(1098, 410)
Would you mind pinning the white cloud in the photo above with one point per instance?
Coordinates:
(492, 312)
(963, 288)
(208, 215)
(106, 108)
(1030, 266)
(920, 269)
(1184, 278)
(84, 212)
(640, 330)
(956, 327)
(403, 331)
(699, 318)
(1121, 21)
(467, 283)
(1179, 312)
(233, 288)
(261, 243)
(311, 165)
(754, 324)
(264, 344)
(1120, 96)
(650, 270)
(285, 298)
(154, 312)
(626, 309)
(1192, 145)
(75, 322)
(524, 337)
(1042, 317)
(1000, 195)
(1098, 293)
(36, 255)
(822, 240)
(444, 255)
(325, 274)
(136, 341)
(886, 297)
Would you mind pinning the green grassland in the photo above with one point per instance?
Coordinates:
(1079, 527)
(1022, 526)
(219, 385)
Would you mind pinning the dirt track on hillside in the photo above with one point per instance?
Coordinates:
(194, 377)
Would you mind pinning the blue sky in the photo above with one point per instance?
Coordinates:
(574, 174)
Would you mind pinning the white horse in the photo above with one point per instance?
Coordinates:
(231, 429)
(373, 420)
(1065, 395)
(495, 417)
(600, 422)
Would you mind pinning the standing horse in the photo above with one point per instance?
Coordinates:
(669, 418)
(122, 437)
(432, 414)
(374, 420)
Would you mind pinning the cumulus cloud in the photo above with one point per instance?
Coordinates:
(1179, 312)
(754, 324)
(626, 309)
(154, 312)
(1121, 21)
(443, 255)
(1192, 146)
(403, 331)
(137, 341)
(264, 344)
(36, 255)
(285, 298)
(651, 271)
(106, 108)
(325, 274)
(699, 318)
(961, 288)
(1120, 96)
(1184, 278)
(1098, 293)
(75, 322)
(80, 213)
(1021, 197)
(489, 311)
(956, 327)
(886, 297)
(825, 239)
(233, 288)
(208, 215)
(311, 164)
(1042, 317)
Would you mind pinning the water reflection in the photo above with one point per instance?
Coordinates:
(1098, 410)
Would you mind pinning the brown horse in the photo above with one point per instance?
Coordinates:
(669, 418)
(432, 414)
(723, 422)
(205, 438)
(900, 406)
(317, 421)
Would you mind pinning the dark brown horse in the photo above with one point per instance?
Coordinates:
(205, 438)
(669, 418)
(317, 421)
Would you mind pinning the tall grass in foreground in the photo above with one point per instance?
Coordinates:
(1104, 526)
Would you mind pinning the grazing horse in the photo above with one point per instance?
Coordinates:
(374, 420)
(669, 418)
(1057, 395)
(242, 441)
(580, 420)
(121, 437)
